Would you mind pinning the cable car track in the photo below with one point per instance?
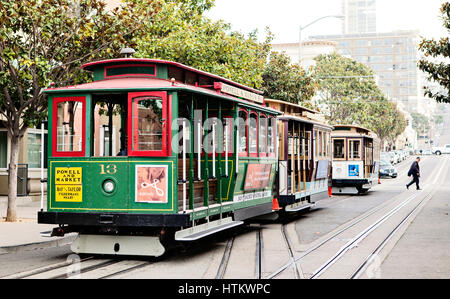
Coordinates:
(363, 234)
(225, 259)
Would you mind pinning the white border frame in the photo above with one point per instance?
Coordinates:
(167, 183)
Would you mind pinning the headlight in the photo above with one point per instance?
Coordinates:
(109, 186)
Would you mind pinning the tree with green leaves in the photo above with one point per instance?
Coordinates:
(348, 94)
(420, 123)
(44, 42)
(436, 64)
(185, 35)
(287, 82)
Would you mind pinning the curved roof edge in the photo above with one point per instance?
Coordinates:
(89, 66)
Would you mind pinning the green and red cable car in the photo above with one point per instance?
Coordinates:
(154, 151)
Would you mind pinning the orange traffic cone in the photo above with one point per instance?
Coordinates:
(379, 181)
(276, 206)
(330, 192)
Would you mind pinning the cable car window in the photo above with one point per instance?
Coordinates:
(354, 149)
(242, 132)
(339, 149)
(253, 134)
(69, 134)
(148, 124)
(320, 144)
(262, 134)
(227, 135)
(270, 136)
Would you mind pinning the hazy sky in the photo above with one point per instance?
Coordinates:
(285, 16)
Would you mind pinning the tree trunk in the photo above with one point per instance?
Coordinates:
(11, 215)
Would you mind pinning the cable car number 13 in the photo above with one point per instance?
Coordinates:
(110, 169)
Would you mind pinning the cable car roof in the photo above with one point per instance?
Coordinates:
(305, 120)
(90, 67)
(130, 84)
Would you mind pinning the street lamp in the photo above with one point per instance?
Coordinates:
(303, 27)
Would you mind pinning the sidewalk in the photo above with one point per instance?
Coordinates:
(25, 234)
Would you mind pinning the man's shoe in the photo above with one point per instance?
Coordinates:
(407, 187)
(419, 189)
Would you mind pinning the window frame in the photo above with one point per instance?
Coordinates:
(244, 154)
(55, 152)
(264, 153)
(350, 154)
(7, 149)
(274, 136)
(344, 151)
(38, 132)
(255, 155)
(166, 127)
(129, 74)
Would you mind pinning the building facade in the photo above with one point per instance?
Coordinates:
(360, 16)
(310, 50)
(393, 56)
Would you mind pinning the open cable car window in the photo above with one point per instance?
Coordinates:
(148, 124)
(243, 134)
(69, 136)
(339, 149)
(271, 137)
(263, 135)
(253, 134)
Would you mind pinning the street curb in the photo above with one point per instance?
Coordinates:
(38, 245)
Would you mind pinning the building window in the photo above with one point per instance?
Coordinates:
(34, 150)
(3, 149)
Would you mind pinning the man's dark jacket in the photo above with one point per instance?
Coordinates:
(414, 170)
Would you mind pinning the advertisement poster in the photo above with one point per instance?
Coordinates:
(258, 176)
(353, 170)
(68, 184)
(152, 184)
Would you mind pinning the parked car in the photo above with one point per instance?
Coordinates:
(387, 157)
(387, 170)
(397, 158)
(427, 152)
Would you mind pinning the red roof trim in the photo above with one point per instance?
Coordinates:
(88, 67)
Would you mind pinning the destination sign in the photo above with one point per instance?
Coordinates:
(68, 184)
(238, 92)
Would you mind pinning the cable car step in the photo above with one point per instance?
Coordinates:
(298, 207)
(46, 234)
(201, 231)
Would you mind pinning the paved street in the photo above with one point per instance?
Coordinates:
(418, 249)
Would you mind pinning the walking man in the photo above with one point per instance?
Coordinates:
(415, 172)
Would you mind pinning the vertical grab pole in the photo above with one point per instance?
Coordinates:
(219, 155)
(226, 148)
(304, 156)
(199, 154)
(298, 158)
(292, 163)
(184, 165)
(191, 158)
(238, 150)
(42, 166)
(214, 149)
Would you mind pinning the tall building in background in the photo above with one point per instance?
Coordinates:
(360, 16)
(310, 50)
(393, 56)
